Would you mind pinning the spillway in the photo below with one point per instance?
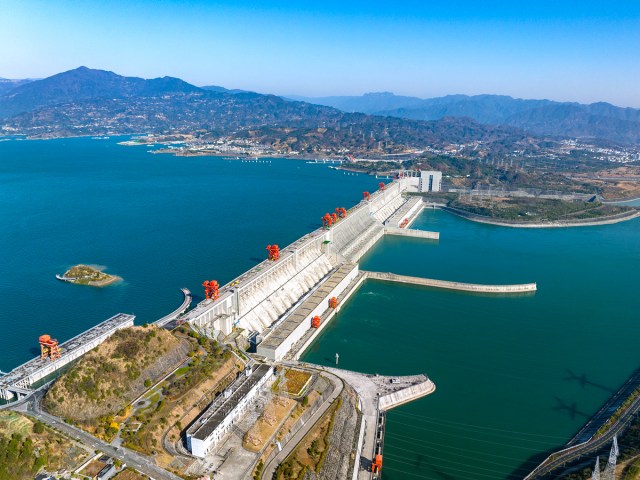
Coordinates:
(276, 300)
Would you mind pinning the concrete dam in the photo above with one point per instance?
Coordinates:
(280, 304)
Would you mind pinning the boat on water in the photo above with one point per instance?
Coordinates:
(62, 278)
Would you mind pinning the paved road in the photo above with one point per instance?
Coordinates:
(134, 460)
(270, 468)
(587, 448)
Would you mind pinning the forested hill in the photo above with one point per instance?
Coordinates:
(95, 102)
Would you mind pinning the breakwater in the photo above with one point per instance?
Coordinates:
(447, 285)
(408, 232)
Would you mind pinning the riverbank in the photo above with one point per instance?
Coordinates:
(587, 222)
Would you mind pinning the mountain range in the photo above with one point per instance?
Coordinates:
(543, 117)
(85, 101)
(7, 84)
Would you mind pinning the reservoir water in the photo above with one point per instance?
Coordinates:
(158, 221)
(515, 376)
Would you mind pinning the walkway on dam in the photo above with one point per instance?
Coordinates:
(463, 287)
(169, 321)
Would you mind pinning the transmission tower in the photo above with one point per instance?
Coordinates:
(596, 471)
(282, 387)
(610, 470)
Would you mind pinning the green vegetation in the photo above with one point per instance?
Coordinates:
(311, 452)
(534, 210)
(618, 413)
(110, 377)
(158, 415)
(27, 446)
(86, 275)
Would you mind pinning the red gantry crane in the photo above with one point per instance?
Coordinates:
(381, 186)
(211, 289)
(49, 347)
(274, 252)
(366, 195)
(327, 221)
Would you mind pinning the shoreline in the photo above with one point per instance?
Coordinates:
(608, 220)
(102, 283)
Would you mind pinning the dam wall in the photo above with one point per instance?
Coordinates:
(279, 340)
(326, 317)
(407, 213)
(259, 298)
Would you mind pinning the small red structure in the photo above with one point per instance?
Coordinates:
(366, 195)
(274, 252)
(376, 465)
(342, 212)
(211, 289)
(315, 321)
(381, 186)
(404, 223)
(49, 347)
(333, 302)
(334, 218)
(327, 221)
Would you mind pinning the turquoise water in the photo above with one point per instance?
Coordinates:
(504, 367)
(158, 221)
(515, 376)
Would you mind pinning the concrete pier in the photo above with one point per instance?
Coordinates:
(164, 321)
(463, 287)
(371, 390)
(408, 232)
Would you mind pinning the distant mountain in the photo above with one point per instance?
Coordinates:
(7, 85)
(84, 84)
(367, 103)
(543, 117)
(215, 88)
(96, 102)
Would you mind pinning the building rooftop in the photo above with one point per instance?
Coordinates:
(223, 405)
(281, 331)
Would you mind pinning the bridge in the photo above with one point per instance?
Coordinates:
(169, 321)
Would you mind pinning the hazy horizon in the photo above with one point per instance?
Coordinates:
(575, 52)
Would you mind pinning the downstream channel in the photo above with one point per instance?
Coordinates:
(516, 376)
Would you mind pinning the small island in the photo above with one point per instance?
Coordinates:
(87, 275)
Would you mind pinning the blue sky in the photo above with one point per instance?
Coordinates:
(582, 51)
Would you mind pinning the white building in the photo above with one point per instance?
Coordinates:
(225, 411)
(423, 180)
